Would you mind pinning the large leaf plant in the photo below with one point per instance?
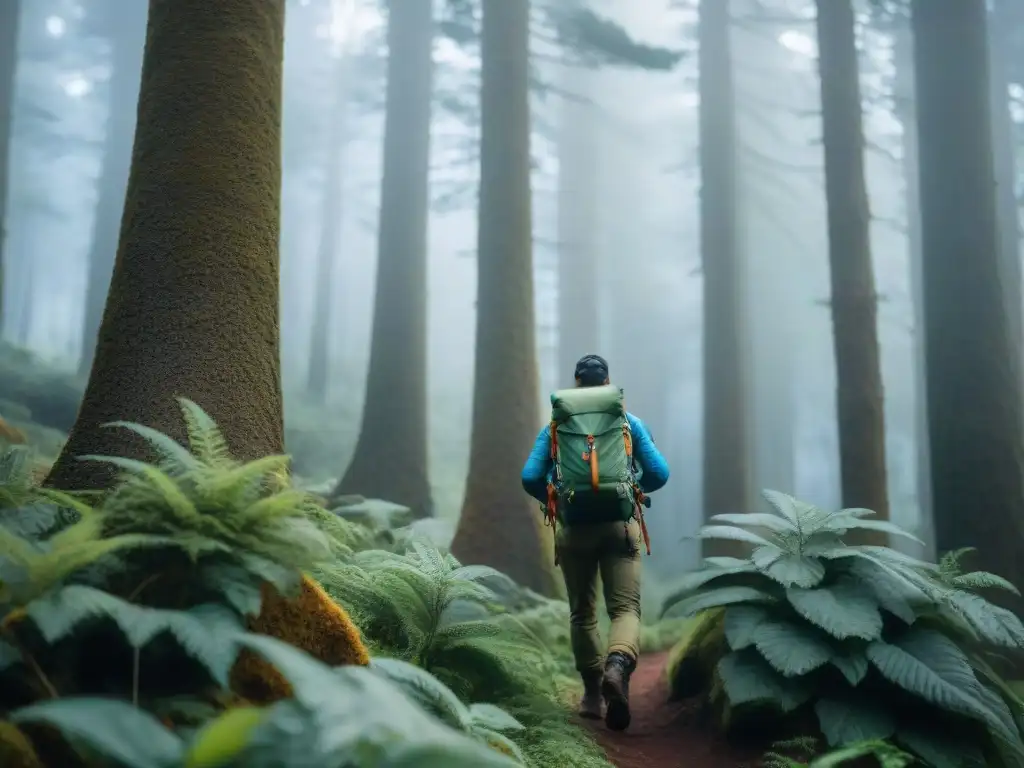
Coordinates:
(878, 644)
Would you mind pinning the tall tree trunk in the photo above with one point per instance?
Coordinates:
(578, 332)
(10, 11)
(974, 403)
(500, 526)
(727, 481)
(1000, 27)
(126, 31)
(192, 309)
(318, 376)
(391, 455)
(859, 398)
(905, 98)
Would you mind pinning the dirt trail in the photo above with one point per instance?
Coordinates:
(663, 734)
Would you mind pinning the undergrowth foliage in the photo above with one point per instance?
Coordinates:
(123, 615)
(877, 644)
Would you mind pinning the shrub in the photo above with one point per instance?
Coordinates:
(881, 753)
(879, 645)
(125, 619)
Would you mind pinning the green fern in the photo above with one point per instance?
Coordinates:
(485, 722)
(426, 608)
(228, 517)
(808, 619)
(341, 717)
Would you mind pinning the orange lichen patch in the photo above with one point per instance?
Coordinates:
(16, 750)
(11, 434)
(310, 621)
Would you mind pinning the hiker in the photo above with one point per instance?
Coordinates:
(592, 467)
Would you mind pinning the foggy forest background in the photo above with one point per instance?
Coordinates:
(617, 199)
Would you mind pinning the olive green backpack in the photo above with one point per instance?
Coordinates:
(592, 450)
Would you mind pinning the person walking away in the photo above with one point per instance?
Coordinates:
(591, 468)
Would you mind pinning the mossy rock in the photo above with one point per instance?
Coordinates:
(16, 750)
(691, 662)
(310, 621)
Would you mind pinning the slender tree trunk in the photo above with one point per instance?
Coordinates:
(859, 397)
(727, 481)
(500, 526)
(126, 29)
(974, 403)
(391, 456)
(318, 377)
(192, 309)
(578, 330)
(10, 11)
(905, 112)
(1000, 26)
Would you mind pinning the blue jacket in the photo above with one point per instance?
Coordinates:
(538, 467)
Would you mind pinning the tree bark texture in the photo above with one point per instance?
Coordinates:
(391, 457)
(500, 526)
(859, 396)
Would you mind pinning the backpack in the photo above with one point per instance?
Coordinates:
(592, 452)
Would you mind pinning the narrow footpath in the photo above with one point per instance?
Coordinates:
(663, 734)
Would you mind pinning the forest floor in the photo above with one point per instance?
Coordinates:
(665, 734)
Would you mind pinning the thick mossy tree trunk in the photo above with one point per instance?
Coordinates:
(318, 378)
(500, 526)
(193, 307)
(10, 10)
(125, 28)
(391, 455)
(859, 399)
(727, 477)
(974, 404)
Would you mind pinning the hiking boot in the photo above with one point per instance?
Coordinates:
(615, 690)
(591, 701)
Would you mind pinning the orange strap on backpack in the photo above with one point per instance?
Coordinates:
(638, 495)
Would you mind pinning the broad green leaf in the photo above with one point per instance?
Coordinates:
(716, 598)
(691, 581)
(928, 664)
(848, 720)
(852, 663)
(792, 649)
(982, 580)
(784, 504)
(115, 729)
(741, 621)
(224, 738)
(882, 526)
(748, 678)
(890, 591)
(732, 533)
(9, 655)
(843, 610)
(991, 623)
(756, 520)
(797, 571)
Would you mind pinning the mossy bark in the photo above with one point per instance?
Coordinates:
(125, 26)
(391, 459)
(727, 476)
(974, 400)
(192, 308)
(859, 397)
(500, 526)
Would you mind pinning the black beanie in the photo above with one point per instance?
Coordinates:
(591, 371)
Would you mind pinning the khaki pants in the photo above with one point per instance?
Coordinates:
(613, 550)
